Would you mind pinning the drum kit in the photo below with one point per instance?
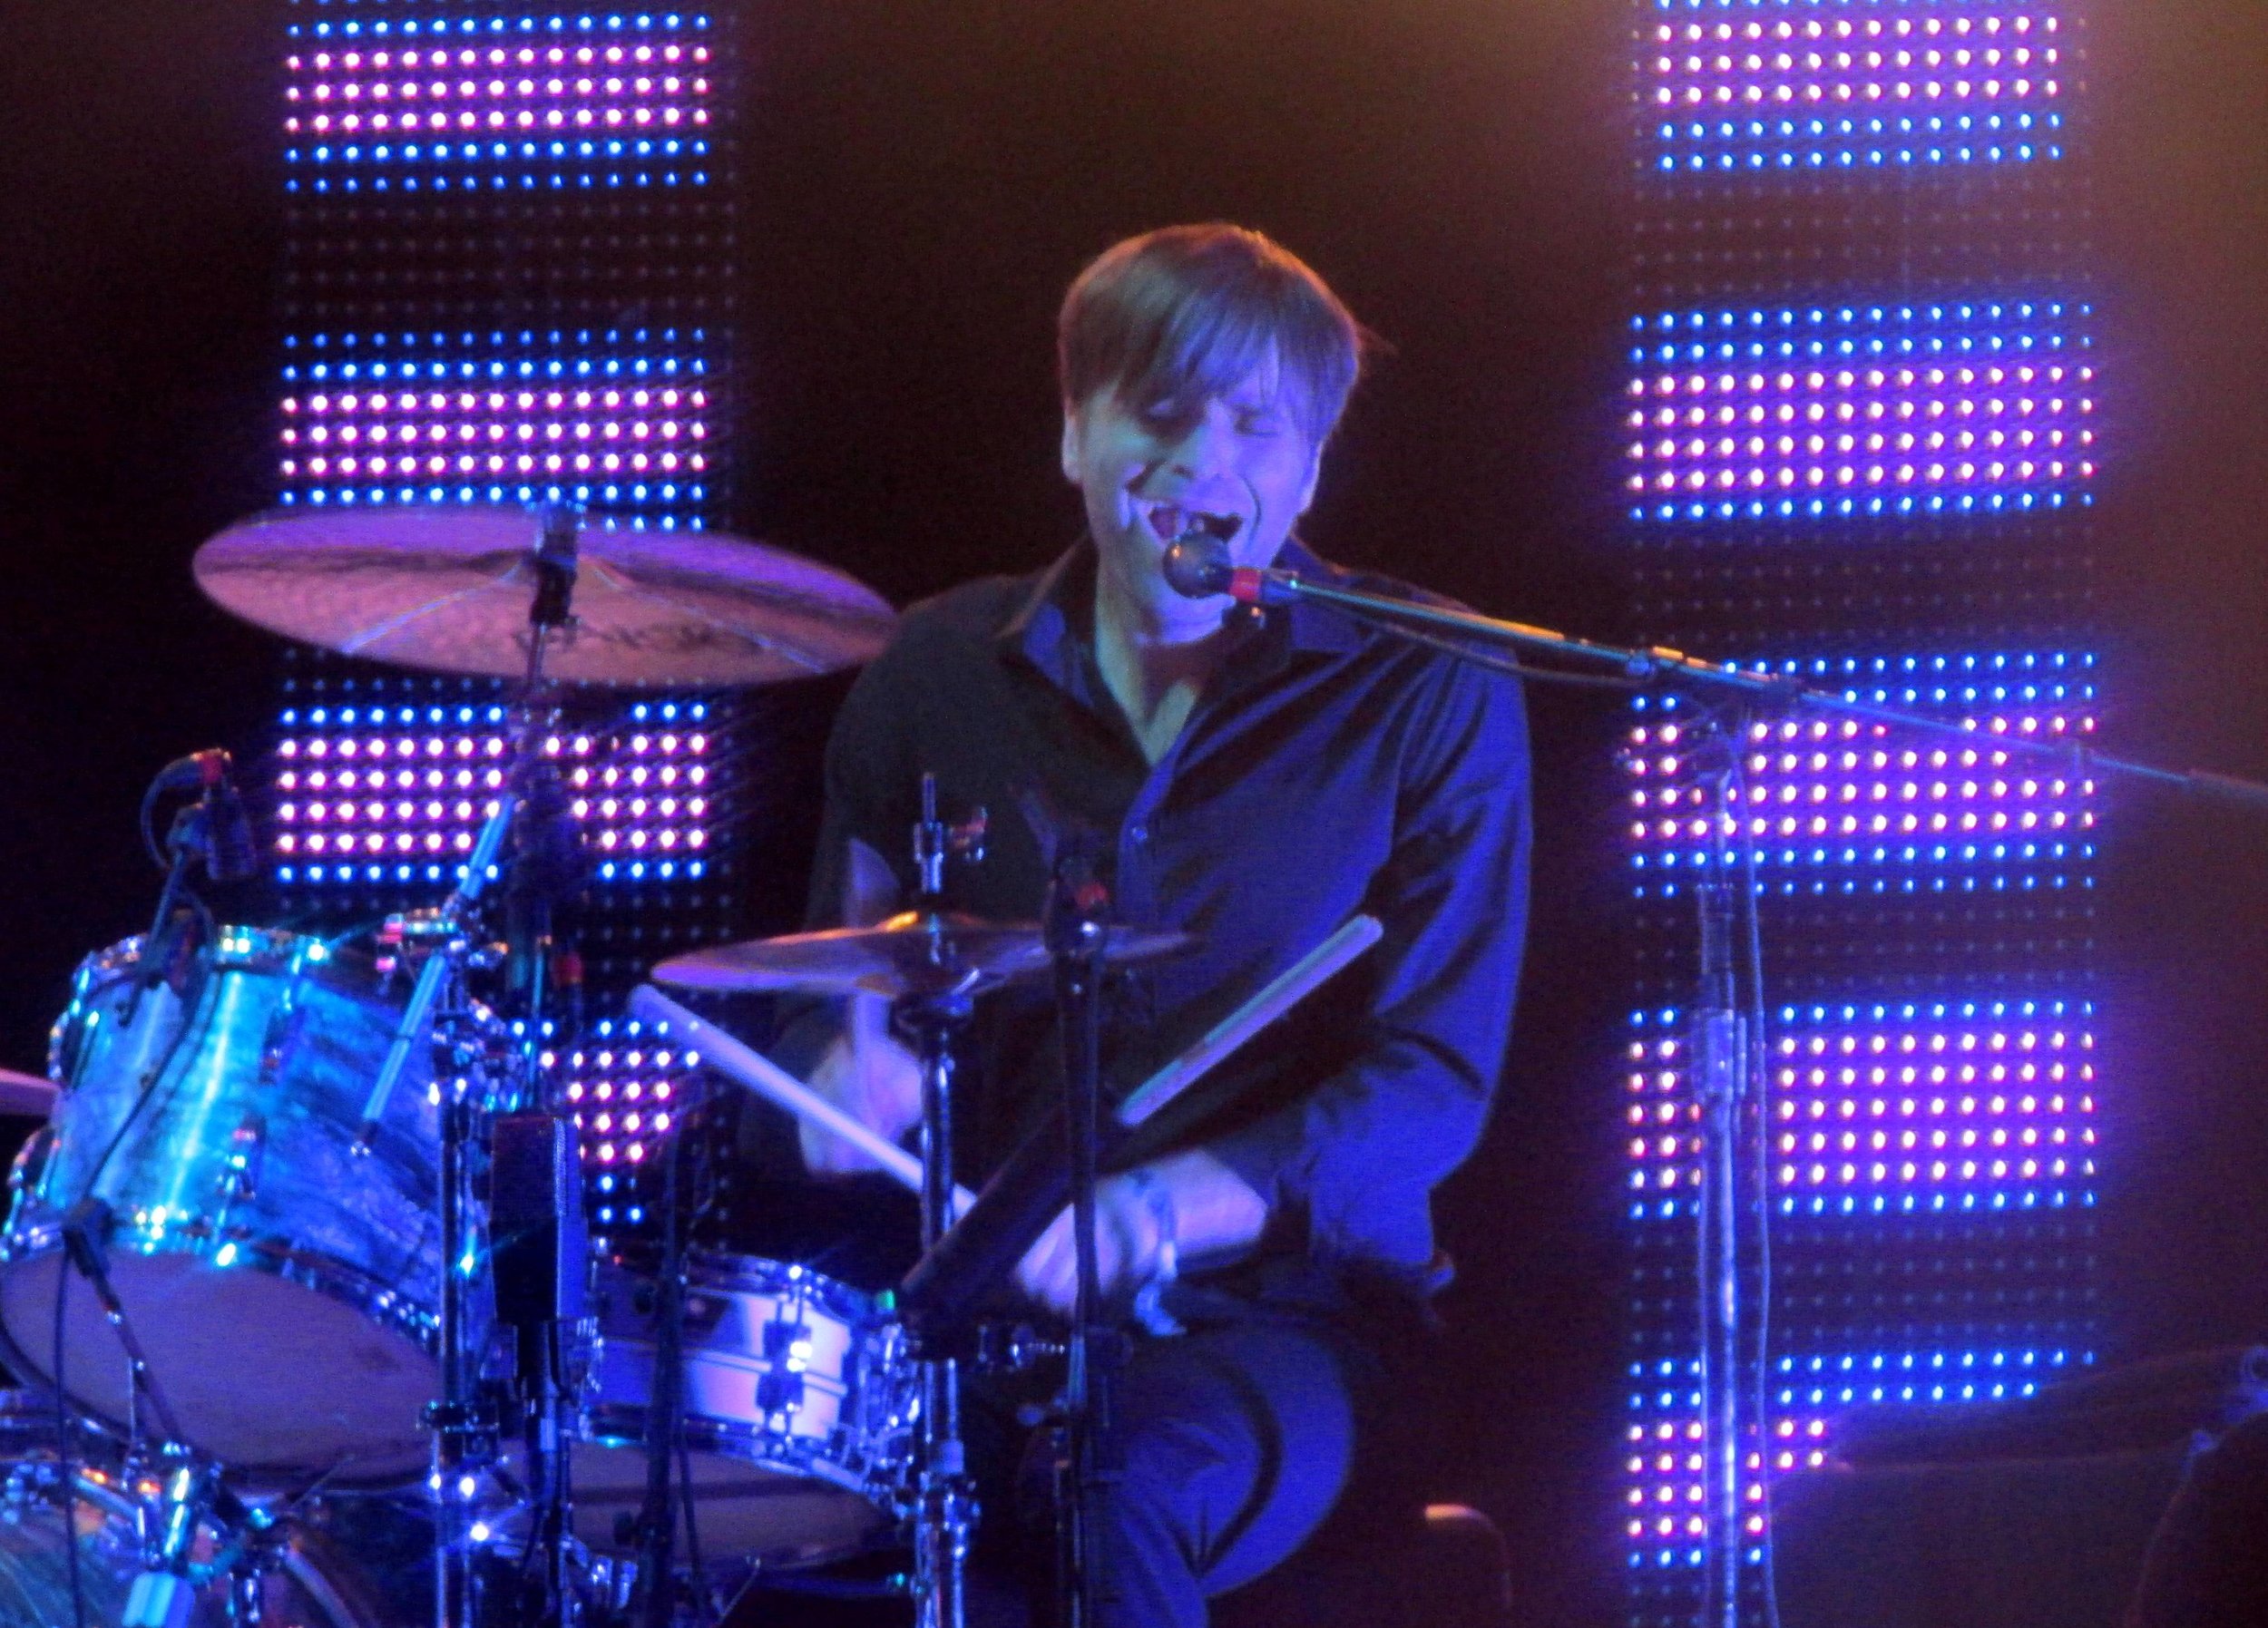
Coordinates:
(296, 1260)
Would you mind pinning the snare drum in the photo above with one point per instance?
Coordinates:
(799, 1412)
(307, 1584)
(283, 1281)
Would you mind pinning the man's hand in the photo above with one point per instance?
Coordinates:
(1193, 1201)
(864, 1073)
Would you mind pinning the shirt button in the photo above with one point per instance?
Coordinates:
(1140, 833)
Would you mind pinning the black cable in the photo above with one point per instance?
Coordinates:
(693, 1560)
(62, 1455)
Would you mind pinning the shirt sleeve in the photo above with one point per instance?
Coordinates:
(1360, 1153)
(864, 797)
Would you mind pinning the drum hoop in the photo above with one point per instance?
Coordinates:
(357, 1291)
(720, 1271)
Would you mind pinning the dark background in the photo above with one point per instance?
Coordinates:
(919, 179)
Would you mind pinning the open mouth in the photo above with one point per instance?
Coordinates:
(1172, 521)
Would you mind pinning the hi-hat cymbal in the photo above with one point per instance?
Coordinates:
(915, 953)
(447, 590)
(26, 1096)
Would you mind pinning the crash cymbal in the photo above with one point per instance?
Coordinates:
(447, 588)
(26, 1096)
(915, 953)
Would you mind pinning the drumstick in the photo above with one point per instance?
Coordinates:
(768, 1080)
(1285, 990)
(1034, 1183)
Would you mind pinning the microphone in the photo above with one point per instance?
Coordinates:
(1197, 565)
(230, 851)
(201, 769)
(234, 854)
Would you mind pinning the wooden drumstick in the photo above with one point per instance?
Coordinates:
(767, 1079)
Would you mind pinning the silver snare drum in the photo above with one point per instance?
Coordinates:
(800, 1406)
(283, 1281)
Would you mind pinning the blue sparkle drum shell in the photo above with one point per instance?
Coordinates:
(283, 1281)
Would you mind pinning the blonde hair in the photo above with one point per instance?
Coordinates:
(1189, 311)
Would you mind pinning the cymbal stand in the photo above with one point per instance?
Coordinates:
(547, 865)
(945, 1510)
(1078, 937)
(464, 1421)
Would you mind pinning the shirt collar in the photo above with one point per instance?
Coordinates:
(1056, 620)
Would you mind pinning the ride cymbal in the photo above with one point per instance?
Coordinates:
(447, 590)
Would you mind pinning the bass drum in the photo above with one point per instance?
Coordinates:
(309, 1583)
(283, 1279)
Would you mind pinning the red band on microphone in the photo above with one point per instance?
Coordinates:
(1244, 585)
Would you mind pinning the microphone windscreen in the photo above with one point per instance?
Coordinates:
(1198, 566)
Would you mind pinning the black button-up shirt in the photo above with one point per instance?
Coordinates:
(1330, 769)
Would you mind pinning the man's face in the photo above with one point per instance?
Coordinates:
(1151, 471)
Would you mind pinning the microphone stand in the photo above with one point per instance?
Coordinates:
(1476, 637)
(464, 1421)
(1727, 1066)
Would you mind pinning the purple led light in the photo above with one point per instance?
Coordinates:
(483, 90)
(1769, 85)
(582, 435)
(397, 795)
(607, 99)
(1829, 792)
(1904, 410)
(621, 1087)
(1664, 1445)
(1889, 1109)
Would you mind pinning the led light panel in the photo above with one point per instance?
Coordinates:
(1918, 1107)
(1808, 413)
(1935, 1375)
(1832, 801)
(622, 1084)
(395, 795)
(458, 104)
(616, 420)
(1771, 86)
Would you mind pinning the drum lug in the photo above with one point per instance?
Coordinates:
(780, 1388)
(23, 1491)
(246, 1148)
(28, 1174)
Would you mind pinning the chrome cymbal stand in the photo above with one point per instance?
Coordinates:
(945, 1507)
(465, 1422)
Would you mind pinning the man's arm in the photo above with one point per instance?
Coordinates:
(1402, 1114)
(1370, 1142)
(844, 1047)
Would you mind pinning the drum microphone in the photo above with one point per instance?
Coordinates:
(230, 853)
(199, 769)
(235, 855)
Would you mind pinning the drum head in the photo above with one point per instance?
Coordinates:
(335, 1393)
